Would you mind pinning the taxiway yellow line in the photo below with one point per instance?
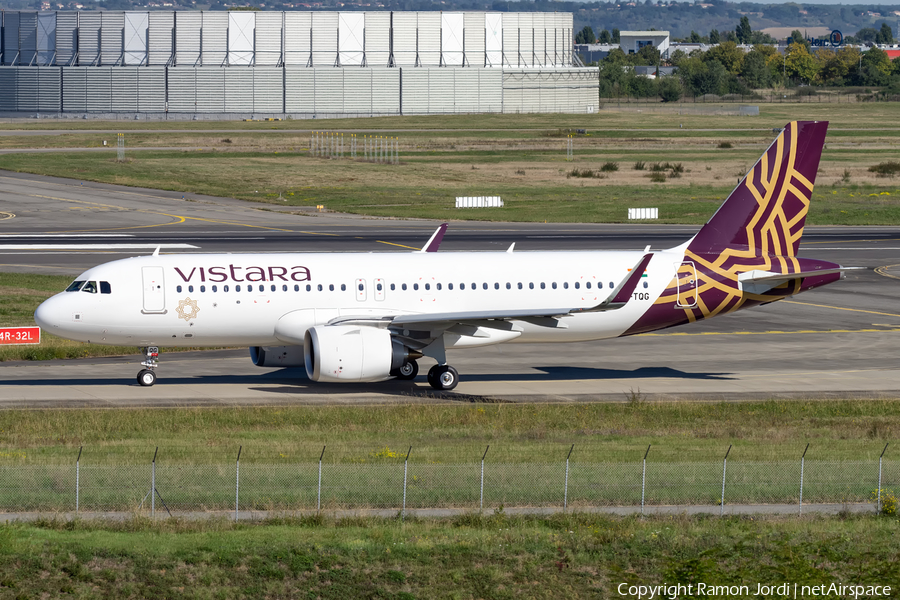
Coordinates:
(881, 271)
(400, 245)
(871, 312)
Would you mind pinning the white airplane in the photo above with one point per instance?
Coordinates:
(350, 317)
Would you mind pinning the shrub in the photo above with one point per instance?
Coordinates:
(609, 167)
(889, 502)
(639, 165)
(725, 145)
(657, 177)
(580, 173)
(886, 169)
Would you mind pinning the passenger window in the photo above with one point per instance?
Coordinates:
(250, 288)
(565, 285)
(237, 288)
(611, 285)
(438, 286)
(427, 286)
(416, 286)
(474, 286)
(273, 288)
(360, 287)
(553, 285)
(645, 285)
(379, 287)
(588, 285)
(449, 286)
(215, 289)
(225, 288)
(484, 286)
(178, 288)
(531, 285)
(520, 285)
(308, 288)
(496, 286)
(508, 285)
(190, 288)
(577, 285)
(543, 285)
(284, 288)
(403, 287)
(75, 286)
(343, 287)
(393, 287)
(462, 286)
(202, 288)
(105, 288)
(320, 287)
(296, 288)
(262, 288)
(330, 287)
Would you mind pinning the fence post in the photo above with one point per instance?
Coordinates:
(566, 493)
(802, 462)
(78, 477)
(405, 470)
(153, 484)
(724, 467)
(237, 483)
(880, 460)
(481, 501)
(319, 493)
(644, 479)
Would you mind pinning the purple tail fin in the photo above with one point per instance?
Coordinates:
(765, 213)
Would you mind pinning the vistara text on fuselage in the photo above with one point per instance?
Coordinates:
(369, 317)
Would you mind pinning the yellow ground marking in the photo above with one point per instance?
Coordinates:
(773, 332)
(871, 312)
(882, 271)
(400, 245)
(6, 215)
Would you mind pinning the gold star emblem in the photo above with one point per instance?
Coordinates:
(187, 309)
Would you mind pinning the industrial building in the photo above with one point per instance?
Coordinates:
(215, 64)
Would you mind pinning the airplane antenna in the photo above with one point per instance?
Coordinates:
(511, 246)
(647, 249)
(156, 252)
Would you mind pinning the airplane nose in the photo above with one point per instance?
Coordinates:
(46, 317)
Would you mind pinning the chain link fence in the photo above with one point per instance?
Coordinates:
(398, 483)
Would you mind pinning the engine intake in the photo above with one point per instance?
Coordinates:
(344, 353)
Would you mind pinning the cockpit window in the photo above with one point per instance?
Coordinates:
(75, 286)
(105, 287)
(90, 287)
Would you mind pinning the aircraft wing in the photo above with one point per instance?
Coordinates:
(548, 317)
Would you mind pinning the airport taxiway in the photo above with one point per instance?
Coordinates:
(841, 340)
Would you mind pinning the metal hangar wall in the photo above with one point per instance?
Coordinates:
(214, 64)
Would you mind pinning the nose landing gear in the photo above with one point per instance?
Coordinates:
(147, 377)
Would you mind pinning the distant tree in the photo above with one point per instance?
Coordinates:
(702, 77)
(585, 36)
(800, 64)
(758, 37)
(604, 38)
(866, 34)
(743, 32)
(885, 35)
(876, 68)
(728, 54)
(754, 70)
(615, 36)
(839, 67)
(797, 37)
(669, 89)
(676, 57)
(648, 55)
(714, 36)
(695, 37)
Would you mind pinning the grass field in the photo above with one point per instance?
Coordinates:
(490, 557)
(518, 157)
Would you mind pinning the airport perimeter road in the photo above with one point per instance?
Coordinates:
(842, 340)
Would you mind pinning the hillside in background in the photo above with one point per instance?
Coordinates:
(679, 18)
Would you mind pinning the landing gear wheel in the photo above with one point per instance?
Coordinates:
(443, 377)
(146, 377)
(408, 370)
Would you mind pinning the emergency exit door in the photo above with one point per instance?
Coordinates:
(154, 290)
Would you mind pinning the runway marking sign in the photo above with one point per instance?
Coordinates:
(20, 335)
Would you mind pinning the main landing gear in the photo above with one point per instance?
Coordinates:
(147, 377)
(440, 377)
(443, 377)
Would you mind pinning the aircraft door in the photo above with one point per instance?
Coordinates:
(361, 290)
(379, 289)
(154, 290)
(687, 285)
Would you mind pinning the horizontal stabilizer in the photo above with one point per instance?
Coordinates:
(758, 282)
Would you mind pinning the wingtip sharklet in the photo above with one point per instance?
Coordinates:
(434, 241)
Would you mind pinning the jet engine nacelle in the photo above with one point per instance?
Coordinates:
(346, 353)
(277, 356)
